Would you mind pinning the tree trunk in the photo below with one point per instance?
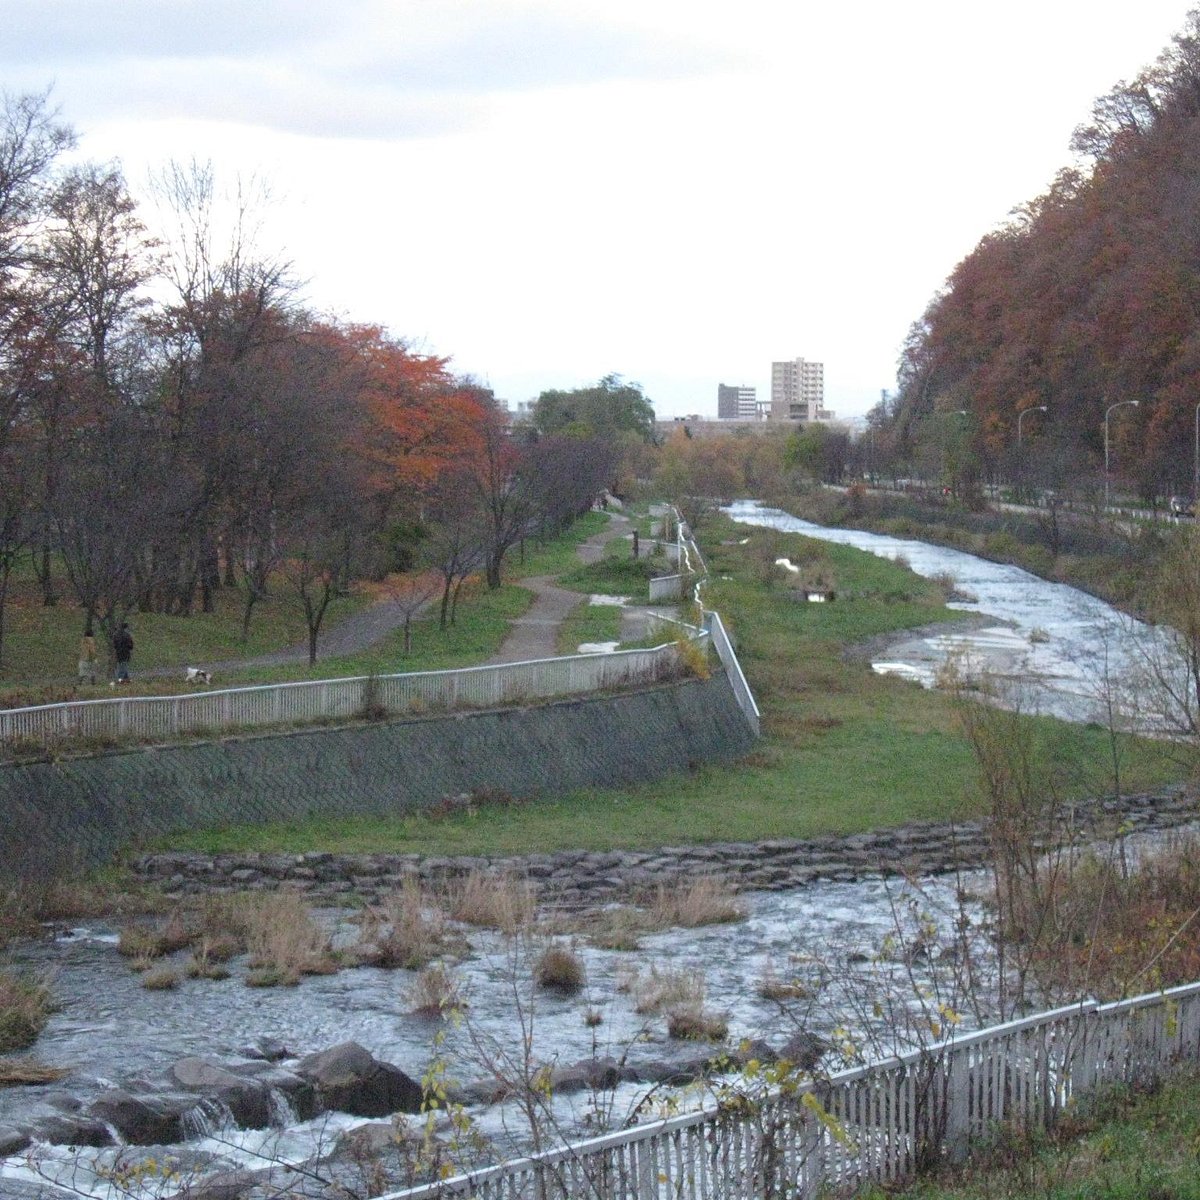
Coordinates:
(454, 603)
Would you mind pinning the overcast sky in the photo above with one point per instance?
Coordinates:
(550, 190)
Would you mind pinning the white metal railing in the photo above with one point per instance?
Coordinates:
(877, 1123)
(332, 699)
(692, 562)
(733, 668)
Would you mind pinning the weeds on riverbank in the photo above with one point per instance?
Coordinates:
(708, 900)
(500, 902)
(407, 929)
(25, 1007)
(1122, 1144)
(284, 941)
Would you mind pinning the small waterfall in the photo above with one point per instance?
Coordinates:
(209, 1116)
(283, 1115)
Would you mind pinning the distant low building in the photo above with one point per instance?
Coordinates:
(798, 391)
(697, 426)
(736, 403)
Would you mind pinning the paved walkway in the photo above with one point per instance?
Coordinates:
(535, 635)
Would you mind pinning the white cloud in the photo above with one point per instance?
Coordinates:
(548, 190)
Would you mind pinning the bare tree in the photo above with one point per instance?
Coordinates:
(457, 541)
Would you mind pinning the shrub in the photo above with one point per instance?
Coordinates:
(692, 1023)
(668, 988)
(618, 928)
(493, 902)
(208, 960)
(404, 931)
(138, 943)
(25, 1006)
(708, 900)
(436, 991)
(285, 941)
(560, 969)
(160, 979)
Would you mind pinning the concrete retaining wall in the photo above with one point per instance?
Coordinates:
(88, 810)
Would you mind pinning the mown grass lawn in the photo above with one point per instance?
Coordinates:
(843, 750)
(41, 644)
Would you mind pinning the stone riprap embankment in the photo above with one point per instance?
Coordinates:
(577, 878)
(84, 812)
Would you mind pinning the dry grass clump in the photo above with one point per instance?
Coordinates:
(493, 902)
(772, 987)
(560, 969)
(141, 942)
(407, 930)
(209, 958)
(25, 1007)
(708, 900)
(285, 941)
(668, 988)
(138, 943)
(693, 1024)
(593, 1017)
(161, 978)
(227, 916)
(437, 990)
(618, 928)
(18, 1072)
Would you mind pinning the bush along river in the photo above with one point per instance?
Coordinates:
(255, 1047)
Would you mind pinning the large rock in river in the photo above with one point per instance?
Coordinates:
(349, 1079)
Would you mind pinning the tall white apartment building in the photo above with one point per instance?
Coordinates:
(798, 391)
(736, 402)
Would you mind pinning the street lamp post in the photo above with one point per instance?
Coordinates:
(1023, 414)
(1108, 412)
(1196, 464)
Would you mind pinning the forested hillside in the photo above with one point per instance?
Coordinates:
(1088, 296)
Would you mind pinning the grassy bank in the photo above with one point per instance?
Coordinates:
(843, 750)
(1124, 1145)
(41, 643)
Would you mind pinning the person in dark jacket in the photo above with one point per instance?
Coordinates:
(123, 650)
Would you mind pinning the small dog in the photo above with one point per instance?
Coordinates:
(198, 675)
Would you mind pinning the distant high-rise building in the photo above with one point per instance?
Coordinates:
(798, 391)
(736, 402)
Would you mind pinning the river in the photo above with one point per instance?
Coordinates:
(839, 938)
(1053, 647)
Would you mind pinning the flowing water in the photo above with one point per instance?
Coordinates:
(111, 1030)
(860, 948)
(1060, 647)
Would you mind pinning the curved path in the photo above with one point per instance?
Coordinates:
(534, 635)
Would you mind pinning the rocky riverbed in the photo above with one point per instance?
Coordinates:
(244, 1085)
